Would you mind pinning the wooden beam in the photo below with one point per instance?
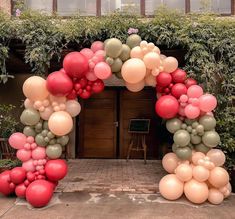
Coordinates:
(232, 7)
(142, 7)
(12, 7)
(54, 7)
(98, 8)
(187, 6)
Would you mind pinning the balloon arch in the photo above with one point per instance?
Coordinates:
(194, 166)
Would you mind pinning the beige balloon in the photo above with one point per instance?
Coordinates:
(215, 197)
(60, 123)
(170, 162)
(170, 64)
(34, 88)
(152, 60)
(73, 107)
(200, 173)
(196, 192)
(136, 52)
(216, 156)
(218, 177)
(184, 172)
(133, 70)
(150, 80)
(135, 87)
(171, 187)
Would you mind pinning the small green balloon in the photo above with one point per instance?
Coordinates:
(195, 139)
(119, 75)
(189, 121)
(211, 139)
(38, 130)
(39, 139)
(28, 131)
(189, 129)
(133, 40)
(184, 153)
(125, 54)
(184, 126)
(109, 60)
(44, 132)
(173, 125)
(194, 125)
(181, 138)
(30, 117)
(54, 151)
(45, 125)
(50, 135)
(117, 65)
(208, 122)
(38, 125)
(46, 139)
(113, 47)
(53, 141)
(200, 129)
(63, 140)
(174, 147)
(202, 148)
(194, 131)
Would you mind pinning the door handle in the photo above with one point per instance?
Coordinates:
(116, 124)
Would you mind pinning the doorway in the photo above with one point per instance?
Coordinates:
(102, 126)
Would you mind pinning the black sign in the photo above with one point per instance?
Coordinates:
(139, 126)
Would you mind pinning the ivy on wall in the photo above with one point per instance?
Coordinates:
(208, 40)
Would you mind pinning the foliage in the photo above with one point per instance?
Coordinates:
(8, 122)
(9, 164)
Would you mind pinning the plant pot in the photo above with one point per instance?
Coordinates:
(232, 180)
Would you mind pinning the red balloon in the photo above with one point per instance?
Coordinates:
(179, 76)
(30, 176)
(178, 89)
(97, 86)
(18, 175)
(83, 82)
(163, 79)
(85, 94)
(56, 169)
(59, 84)
(167, 107)
(39, 193)
(72, 95)
(189, 82)
(75, 64)
(20, 190)
(5, 187)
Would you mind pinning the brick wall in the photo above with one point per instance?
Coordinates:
(5, 5)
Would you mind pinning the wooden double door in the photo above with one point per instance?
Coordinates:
(102, 126)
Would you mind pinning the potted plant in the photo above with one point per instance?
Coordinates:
(8, 164)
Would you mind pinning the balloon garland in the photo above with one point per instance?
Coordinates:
(194, 166)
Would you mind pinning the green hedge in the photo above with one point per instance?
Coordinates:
(208, 40)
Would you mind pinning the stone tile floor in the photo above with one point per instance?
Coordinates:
(112, 175)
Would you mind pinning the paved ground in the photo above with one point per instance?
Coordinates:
(80, 196)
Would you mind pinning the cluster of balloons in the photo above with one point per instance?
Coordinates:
(201, 178)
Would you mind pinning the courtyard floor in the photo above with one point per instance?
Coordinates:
(110, 189)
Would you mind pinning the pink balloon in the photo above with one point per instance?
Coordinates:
(28, 166)
(97, 45)
(181, 111)
(207, 102)
(23, 155)
(99, 55)
(28, 104)
(88, 53)
(102, 70)
(39, 153)
(17, 140)
(46, 113)
(91, 76)
(191, 111)
(194, 91)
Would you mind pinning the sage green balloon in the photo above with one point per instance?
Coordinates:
(38, 126)
(190, 146)
(39, 139)
(44, 132)
(29, 131)
(125, 54)
(47, 140)
(173, 125)
(38, 130)
(50, 135)
(181, 138)
(174, 147)
(211, 139)
(30, 117)
(184, 153)
(200, 128)
(45, 125)
(183, 126)
(54, 151)
(133, 40)
(117, 65)
(63, 140)
(105, 42)
(113, 47)
(109, 60)
(202, 148)
(194, 125)
(189, 121)
(189, 129)
(53, 141)
(195, 139)
(119, 75)
(194, 131)
(208, 122)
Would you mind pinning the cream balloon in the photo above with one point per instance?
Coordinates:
(152, 60)
(150, 80)
(28, 104)
(218, 177)
(170, 64)
(170, 162)
(197, 156)
(34, 88)
(215, 197)
(46, 113)
(216, 156)
(133, 70)
(184, 172)
(196, 192)
(136, 52)
(171, 187)
(60, 123)
(73, 107)
(200, 173)
(135, 87)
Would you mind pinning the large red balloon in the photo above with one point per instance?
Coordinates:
(18, 175)
(56, 169)
(178, 89)
(97, 86)
(5, 187)
(179, 75)
(75, 64)
(59, 83)
(163, 79)
(39, 193)
(189, 82)
(20, 190)
(167, 107)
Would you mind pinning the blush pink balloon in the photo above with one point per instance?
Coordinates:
(99, 55)
(39, 153)
(91, 76)
(88, 53)
(28, 166)
(97, 45)
(46, 113)
(17, 140)
(207, 102)
(170, 162)
(216, 156)
(181, 111)
(28, 104)
(23, 155)
(102, 70)
(194, 91)
(191, 111)
(197, 156)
